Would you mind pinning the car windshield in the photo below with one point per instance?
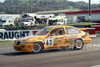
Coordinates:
(43, 31)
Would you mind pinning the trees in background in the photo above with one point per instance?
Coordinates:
(21, 6)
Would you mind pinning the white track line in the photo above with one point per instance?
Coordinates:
(96, 66)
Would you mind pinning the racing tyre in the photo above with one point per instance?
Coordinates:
(37, 47)
(78, 44)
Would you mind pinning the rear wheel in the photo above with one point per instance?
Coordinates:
(37, 48)
(78, 44)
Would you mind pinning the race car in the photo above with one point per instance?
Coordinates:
(53, 37)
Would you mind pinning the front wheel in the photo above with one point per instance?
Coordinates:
(78, 44)
(37, 48)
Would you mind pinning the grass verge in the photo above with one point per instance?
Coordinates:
(6, 42)
(84, 23)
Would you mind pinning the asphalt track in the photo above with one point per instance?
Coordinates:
(88, 57)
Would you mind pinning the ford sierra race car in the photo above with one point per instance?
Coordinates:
(53, 37)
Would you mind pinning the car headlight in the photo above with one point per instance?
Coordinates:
(23, 42)
(15, 42)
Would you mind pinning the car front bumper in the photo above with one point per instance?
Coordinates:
(23, 48)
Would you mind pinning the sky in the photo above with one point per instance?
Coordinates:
(2, 0)
(92, 1)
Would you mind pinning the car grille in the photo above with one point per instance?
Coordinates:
(17, 48)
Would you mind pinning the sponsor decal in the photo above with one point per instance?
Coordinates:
(70, 36)
(30, 42)
(71, 39)
(49, 42)
(60, 38)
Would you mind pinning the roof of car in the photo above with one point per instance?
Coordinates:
(57, 26)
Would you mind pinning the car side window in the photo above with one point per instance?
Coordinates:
(71, 30)
(57, 31)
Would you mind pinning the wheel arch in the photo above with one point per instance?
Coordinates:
(76, 48)
(40, 43)
(80, 39)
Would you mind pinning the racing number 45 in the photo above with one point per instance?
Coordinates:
(49, 42)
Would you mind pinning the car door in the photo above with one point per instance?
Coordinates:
(71, 35)
(58, 34)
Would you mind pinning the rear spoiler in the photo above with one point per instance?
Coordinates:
(82, 29)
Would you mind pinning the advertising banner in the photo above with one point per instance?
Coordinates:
(16, 34)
